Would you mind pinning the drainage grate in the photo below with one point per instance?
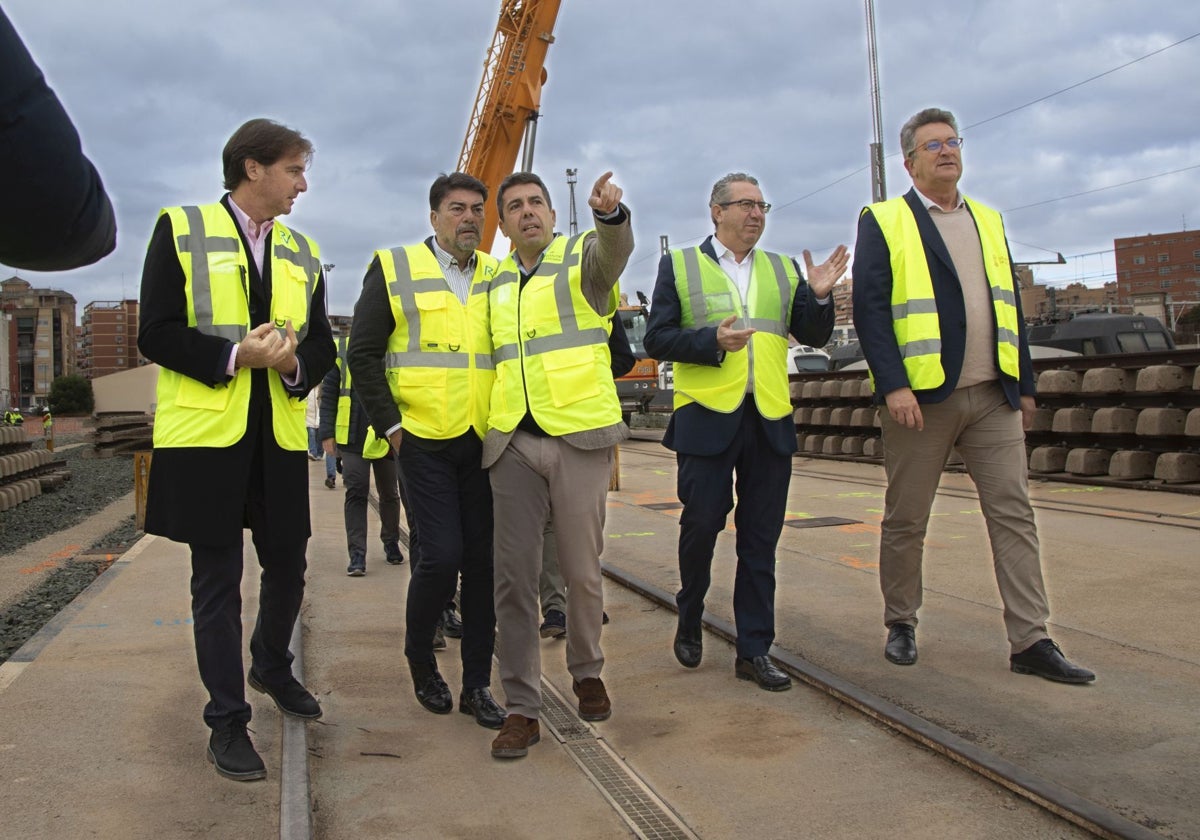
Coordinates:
(647, 815)
(821, 522)
(664, 506)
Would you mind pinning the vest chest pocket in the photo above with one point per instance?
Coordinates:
(571, 375)
(720, 306)
(435, 320)
(194, 394)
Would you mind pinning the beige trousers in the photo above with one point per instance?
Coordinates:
(987, 432)
(534, 478)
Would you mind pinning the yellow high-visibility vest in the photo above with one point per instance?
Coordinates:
(914, 307)
(373, 447)
(707, 296)
(439, 356)
(551, 346)
(215, 269)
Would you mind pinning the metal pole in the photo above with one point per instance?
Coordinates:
(878, 179)
(571, 180)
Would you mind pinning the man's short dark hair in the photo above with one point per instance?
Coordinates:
(444, 184)
(908, 134)
(520, 178)
(262, 140)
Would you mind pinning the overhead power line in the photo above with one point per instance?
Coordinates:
(1084, 82)
(1102, 189)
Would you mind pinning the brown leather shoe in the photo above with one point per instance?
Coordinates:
(516, 736)
(593, 699)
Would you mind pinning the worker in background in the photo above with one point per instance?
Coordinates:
(554, 419)
(48, 428)
(312, 421)
(938, 313)
(552, 590)
(55, 214)
(423, 317)
(345, 423)
(722, 313)
(233, 312)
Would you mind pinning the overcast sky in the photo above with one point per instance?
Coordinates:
(669, 94)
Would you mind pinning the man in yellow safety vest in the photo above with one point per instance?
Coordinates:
(938, 311)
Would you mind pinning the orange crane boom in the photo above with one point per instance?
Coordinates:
(509, 96)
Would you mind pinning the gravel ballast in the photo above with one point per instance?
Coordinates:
(94, 484)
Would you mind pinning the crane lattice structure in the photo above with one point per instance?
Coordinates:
(510, 93)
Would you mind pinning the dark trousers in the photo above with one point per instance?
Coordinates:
(706, 484)
(356, 476)
(450, 497)
(217, 619)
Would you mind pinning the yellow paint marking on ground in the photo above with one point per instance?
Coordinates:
(631, 534)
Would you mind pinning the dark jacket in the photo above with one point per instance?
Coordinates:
(55, 214)
(694, 429)
(621, 355)
(198, 494)
(359, 421)
(872, 272)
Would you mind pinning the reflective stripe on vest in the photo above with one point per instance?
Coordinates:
(439, 356)
(914, 306)
(707, 296)
(373, 446)
(216, 271)
(551, 347)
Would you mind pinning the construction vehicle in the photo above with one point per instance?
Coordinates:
(506, 107)
(638, 388)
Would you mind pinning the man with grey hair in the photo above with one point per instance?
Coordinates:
(939, 317)
(722, 313)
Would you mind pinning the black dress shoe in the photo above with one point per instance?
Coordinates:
(689, 647)
(291, 697)
(763, 671)
(479, 702)
(1045, 659)
(230, 751)
(901, 647)
(431, 690)
(451, 623)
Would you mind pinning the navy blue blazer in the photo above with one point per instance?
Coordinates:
(694, 429)
(872, 272)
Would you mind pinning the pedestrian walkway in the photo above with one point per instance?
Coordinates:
(101, 735)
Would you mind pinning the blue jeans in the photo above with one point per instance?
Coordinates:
(314, 443)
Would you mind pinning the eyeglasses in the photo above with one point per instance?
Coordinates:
(747, 205)
(936, 145)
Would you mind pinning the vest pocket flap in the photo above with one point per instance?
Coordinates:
(434, 318)
(194, 394)
(572, 374)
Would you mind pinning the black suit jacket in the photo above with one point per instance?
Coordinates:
(199, 494)
(872, 273)
(694, 429)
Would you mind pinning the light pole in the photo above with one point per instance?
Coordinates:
(574, 221)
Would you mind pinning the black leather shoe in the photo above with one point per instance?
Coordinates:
(901, 647)
(479, 702)
(451, 623)
(689, 647)
(1045, 659)
(230, 751)
(763, 671)
(291, 697)
(431, 690)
